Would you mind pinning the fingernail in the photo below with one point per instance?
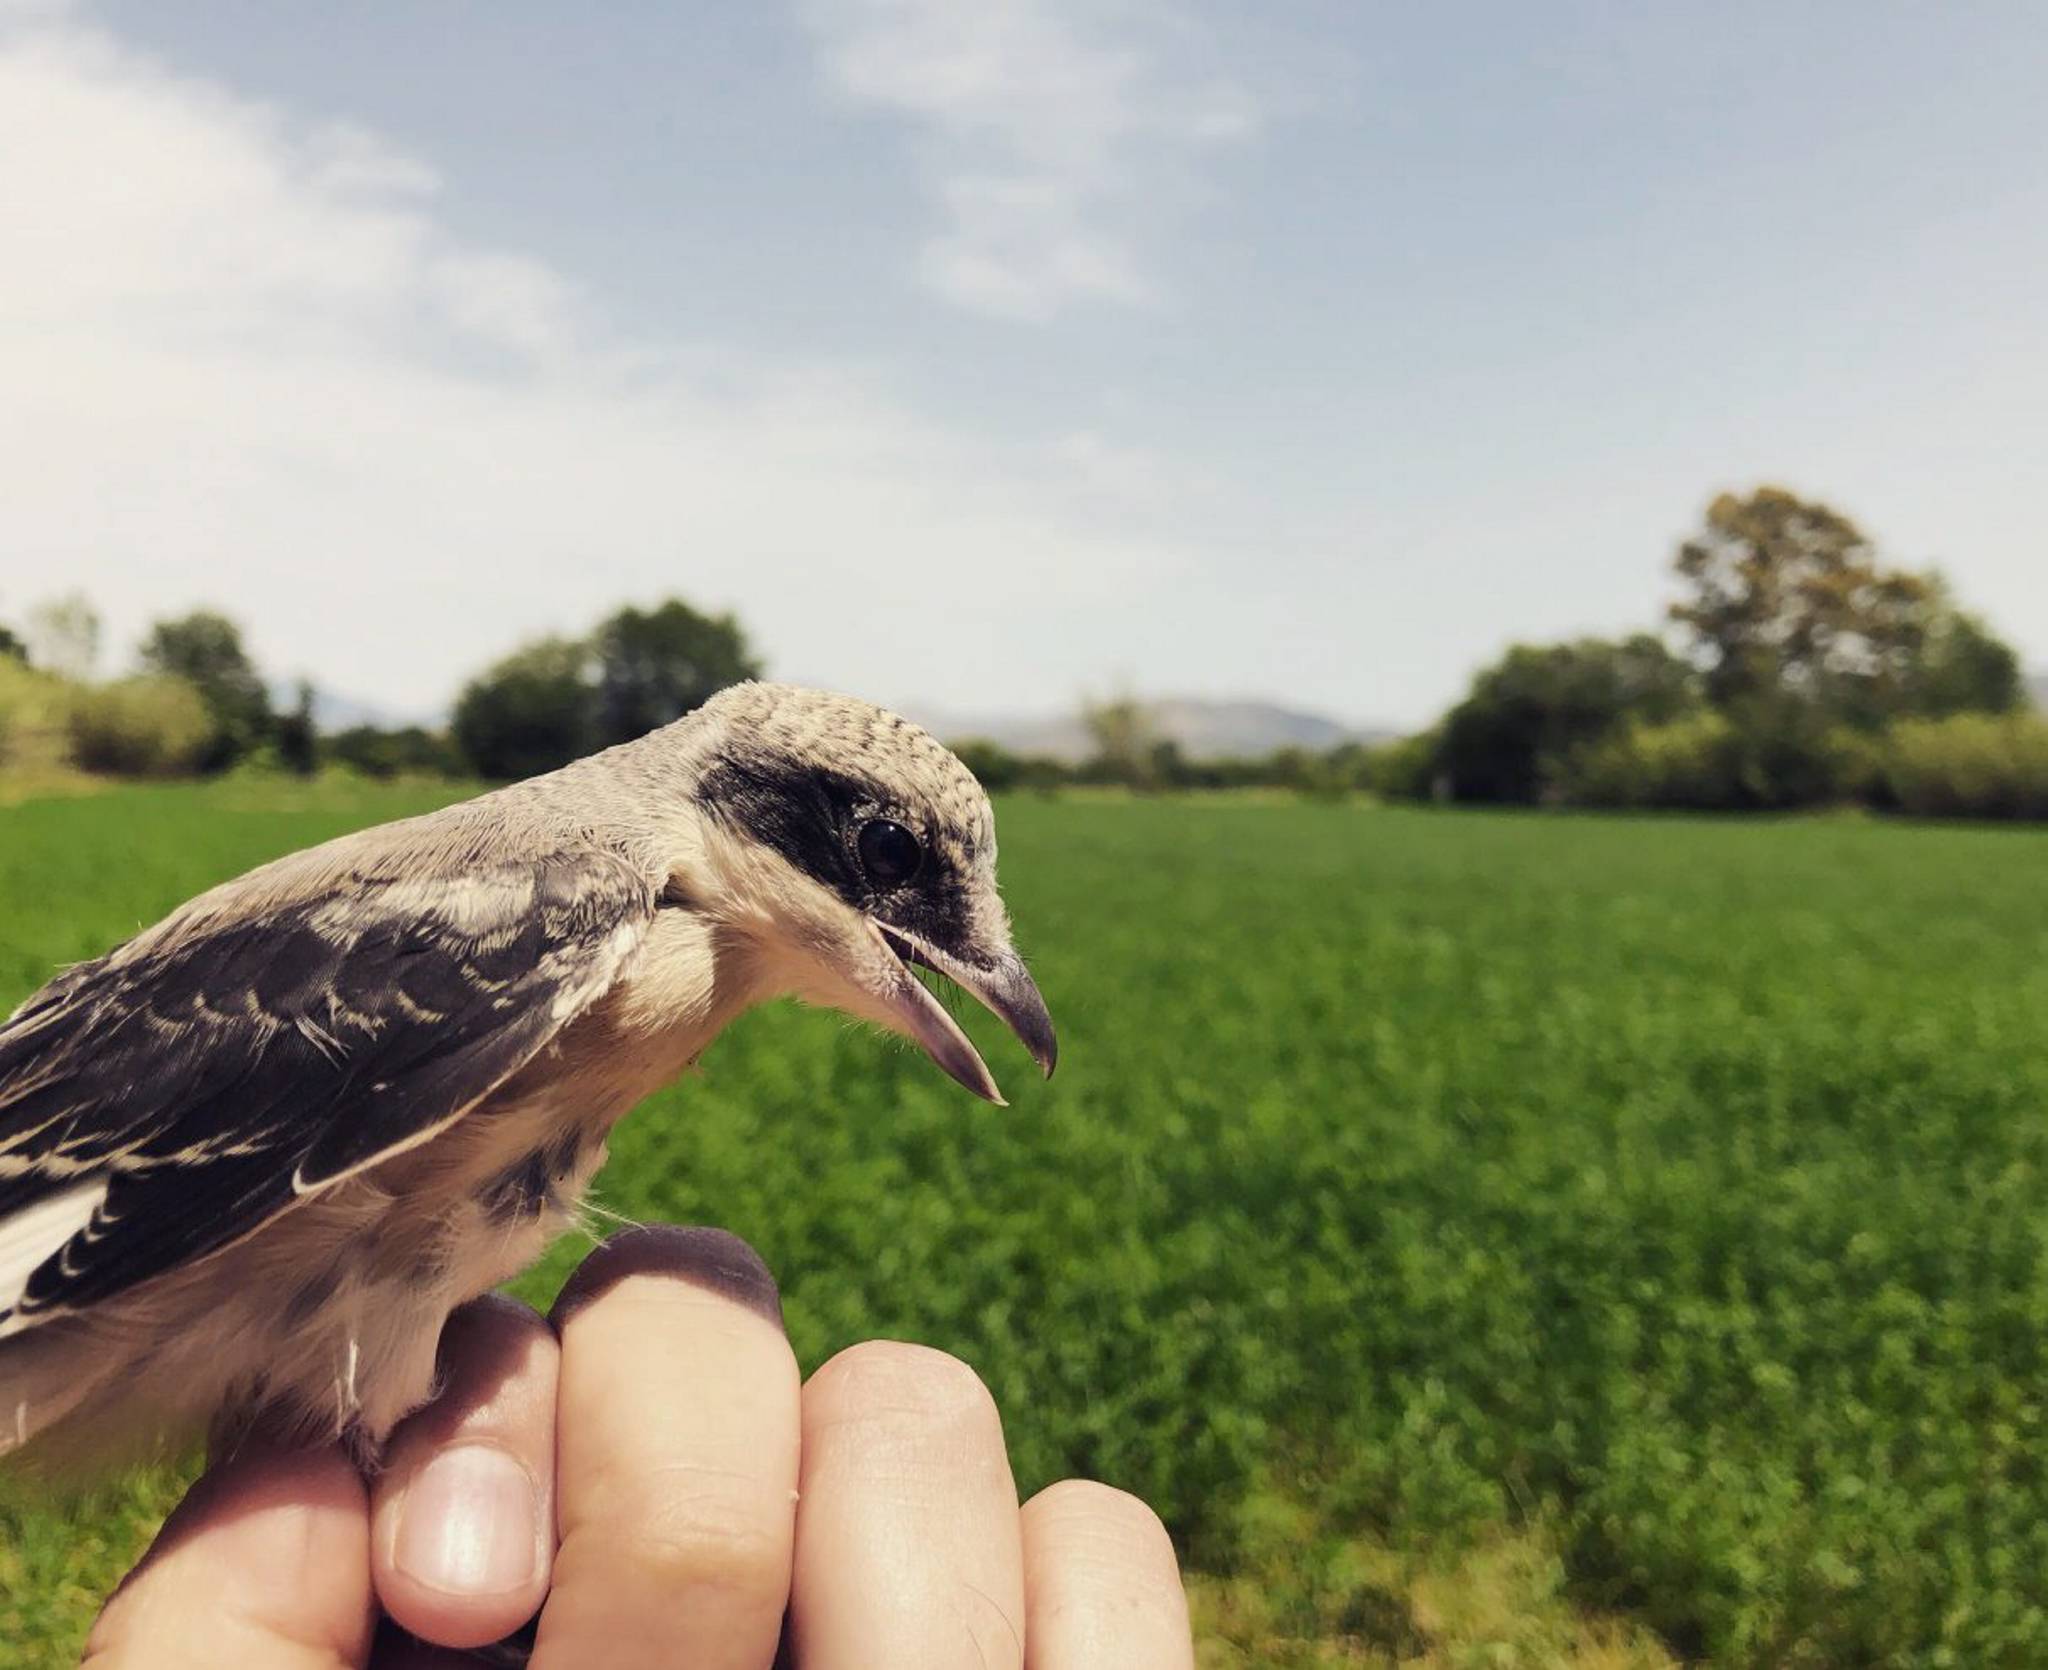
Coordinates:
(469, 1524)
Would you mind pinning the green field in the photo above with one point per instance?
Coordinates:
(1464, 1228)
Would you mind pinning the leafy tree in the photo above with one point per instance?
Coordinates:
(1510, 738)
(298, 738)
(1786, 601)
(995, 767)
(655, 665)
(12, 648)
(1963, 667)
(205, 649)
(559, 698)
(1127, 745)
(533, 711)
(64, 636)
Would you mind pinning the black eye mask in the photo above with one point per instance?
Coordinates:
(836, 829)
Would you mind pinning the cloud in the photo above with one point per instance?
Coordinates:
(248, 364)
(1054, 134)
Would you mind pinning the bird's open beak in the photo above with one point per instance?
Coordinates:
(1003, 986)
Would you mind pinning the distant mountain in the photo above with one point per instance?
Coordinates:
(1205, 730)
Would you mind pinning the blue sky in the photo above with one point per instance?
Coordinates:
(986, 354)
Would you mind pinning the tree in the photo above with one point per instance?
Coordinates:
(12, 648)
(64, 636)
(655, 665)
(1127, 743)
(1787, 602)
(298, 737)
(1511, 736)
(995, 768)
(205, 649)
(1963, 667)
(533, 711)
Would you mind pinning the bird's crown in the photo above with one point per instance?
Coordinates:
(844, 734)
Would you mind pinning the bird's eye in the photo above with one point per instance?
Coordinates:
(889, 853)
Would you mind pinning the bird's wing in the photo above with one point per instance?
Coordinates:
(167, 1099)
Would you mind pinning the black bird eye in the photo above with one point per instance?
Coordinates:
(889, 853)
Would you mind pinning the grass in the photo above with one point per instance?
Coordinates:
(1488, 1239)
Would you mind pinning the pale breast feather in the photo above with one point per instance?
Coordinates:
(211, 1081)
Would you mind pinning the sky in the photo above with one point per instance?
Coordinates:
(988, 354)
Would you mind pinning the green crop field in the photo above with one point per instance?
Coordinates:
(1487, 1239)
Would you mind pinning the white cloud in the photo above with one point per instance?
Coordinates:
(1054, 133)
(247, 365)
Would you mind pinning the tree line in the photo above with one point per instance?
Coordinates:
(1794, 668)
(196, 702)
(1806, 672)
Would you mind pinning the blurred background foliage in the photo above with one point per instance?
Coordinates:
(1796, 668)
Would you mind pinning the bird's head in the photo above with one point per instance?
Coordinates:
(844, 845)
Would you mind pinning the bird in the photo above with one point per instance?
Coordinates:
(252, 1158)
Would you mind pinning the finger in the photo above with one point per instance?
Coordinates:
(462, 1512)
(1101, 1584)
(908, 1551)
(264, 1566)
(676, 1450)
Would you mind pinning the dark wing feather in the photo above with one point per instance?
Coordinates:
(213, 1081)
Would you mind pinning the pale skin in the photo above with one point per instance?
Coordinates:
(645, 1469)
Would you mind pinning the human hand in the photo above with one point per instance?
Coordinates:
(643, 1469)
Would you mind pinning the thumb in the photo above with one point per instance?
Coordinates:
(265, 1566)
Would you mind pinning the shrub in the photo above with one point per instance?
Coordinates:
(409, 751)
(150, 726)
(204, 650)
(1690, 762)
(995, 768)
(34, 707)
(1707, 761)
(1974, 765)
(1405, 769)
(1525, 714)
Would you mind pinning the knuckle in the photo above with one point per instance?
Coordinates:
(735, 1557)
(699, 1531)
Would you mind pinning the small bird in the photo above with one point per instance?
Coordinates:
(251, 1159)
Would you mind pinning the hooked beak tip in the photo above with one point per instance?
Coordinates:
(1004, 987)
